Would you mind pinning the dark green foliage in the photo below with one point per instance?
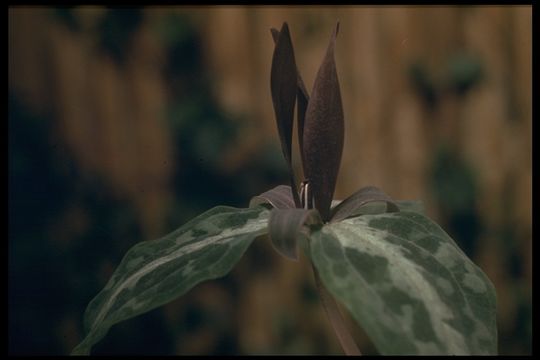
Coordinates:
(424, 84)
(116, 30)
(45, 181)
(464, 71)
(66, 16)
(202, 133)
(454, 186)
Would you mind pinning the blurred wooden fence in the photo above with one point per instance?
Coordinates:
(112, 117)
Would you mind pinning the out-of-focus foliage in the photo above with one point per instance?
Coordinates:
(455, 189)
(464, 71)
(203, 132)
(115, 31)
(64, 234)
(67, 232)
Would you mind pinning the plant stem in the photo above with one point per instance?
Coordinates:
(332, 311)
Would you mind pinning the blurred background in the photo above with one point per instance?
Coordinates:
(125, 123)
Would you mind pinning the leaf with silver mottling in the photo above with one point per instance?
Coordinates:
(407, 284)
(411, 205)
(153, 273)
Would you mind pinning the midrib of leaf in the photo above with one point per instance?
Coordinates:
(434, 230)
(413, 275)
(329, 281)
(438, 304)
(367, 285)
(132, 280)
(221, 226)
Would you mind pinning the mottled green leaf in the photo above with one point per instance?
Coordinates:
(377, 207)
(411, 205)
(285, 226)
(153, 273)
(407, 284)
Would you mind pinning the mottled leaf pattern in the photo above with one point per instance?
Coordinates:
(374, 208)
(407, 284)
(411, 205)
(324, 132)
(154, 273)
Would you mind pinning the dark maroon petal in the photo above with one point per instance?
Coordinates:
(360, 198)
(283, 85)
(275, 34)
(303, 99)
(285, 226)
(301, 106)
(279, 197)
(324, 132)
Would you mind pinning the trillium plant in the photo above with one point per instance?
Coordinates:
(401, 277)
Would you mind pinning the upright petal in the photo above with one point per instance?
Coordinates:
(324, 132)
(301, 105)
(283, 86)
